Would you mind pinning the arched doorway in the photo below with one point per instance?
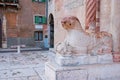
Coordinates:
(51, 28)
(0, 33)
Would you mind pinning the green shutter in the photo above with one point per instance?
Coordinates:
(33, 0)
(44, 19)
(43, 0)
(36, 19)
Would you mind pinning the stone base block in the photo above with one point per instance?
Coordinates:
(71, 60)
(106, 58)
(83, 72)
(83, 59)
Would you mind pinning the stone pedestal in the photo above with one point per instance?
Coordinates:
(105, 71)
(83, 67)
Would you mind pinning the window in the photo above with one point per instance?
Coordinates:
(40, 20)
(38, 0)
(46, 36)
(38, 35)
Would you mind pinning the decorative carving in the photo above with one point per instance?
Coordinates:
(102, 41)
(80, 42)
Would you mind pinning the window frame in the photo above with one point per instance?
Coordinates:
(41, 1)
(38, 35)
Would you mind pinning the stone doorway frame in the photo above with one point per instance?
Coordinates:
(0, 33)
(51, 30)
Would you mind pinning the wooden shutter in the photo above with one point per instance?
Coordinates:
(44, 20)
(36, 19)
(42, 0)
(34, 0)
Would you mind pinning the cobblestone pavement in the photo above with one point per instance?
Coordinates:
(24, 66)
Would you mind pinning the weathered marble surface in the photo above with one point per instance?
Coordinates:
(102, 41)
(83, 72)
(78, 42)
(110, 20)
(109, 17)
(83, 59)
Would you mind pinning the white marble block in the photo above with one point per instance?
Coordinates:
(105, 58)
(83, 72)
(56, 72)
(71, 60)
(92, 59)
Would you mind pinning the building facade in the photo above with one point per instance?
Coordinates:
(23, 22)
(105, 14)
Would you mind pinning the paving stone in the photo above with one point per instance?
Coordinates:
(4, 73)
(22, 72)
(41, 72)
(15, 79)
(3, 79)
(17, 73)
(34, 78)
(27, 65)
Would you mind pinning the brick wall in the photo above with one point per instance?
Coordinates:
(21, 24)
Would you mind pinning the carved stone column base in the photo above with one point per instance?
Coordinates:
(54, 71)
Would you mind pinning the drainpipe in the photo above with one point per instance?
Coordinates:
(47, 21)
(47, 9)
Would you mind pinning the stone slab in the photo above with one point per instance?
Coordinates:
(40, 71)
(12, 73)
(106, 71)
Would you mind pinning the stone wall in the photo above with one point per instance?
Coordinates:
(109, 17)
(65, 8)
(110, 20)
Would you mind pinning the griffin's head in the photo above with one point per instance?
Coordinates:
(69, 22)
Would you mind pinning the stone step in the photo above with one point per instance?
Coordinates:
(23, 49)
